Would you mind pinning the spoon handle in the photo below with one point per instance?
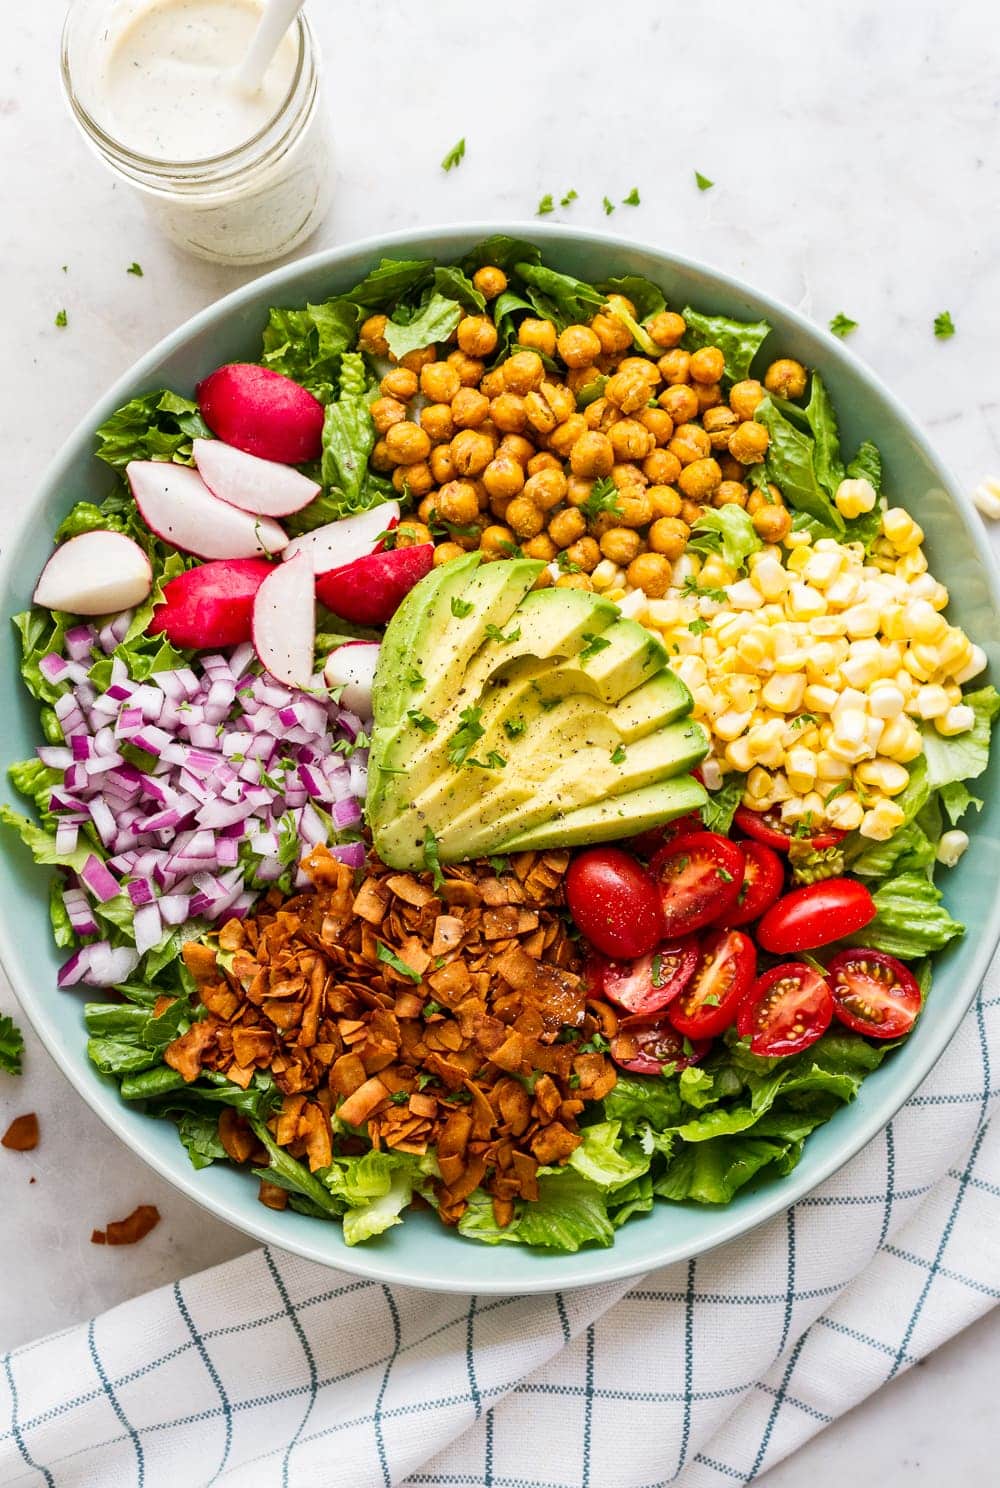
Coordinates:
(277, 16)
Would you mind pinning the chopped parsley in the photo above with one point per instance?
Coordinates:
(724, 874)
(414, 679)
(570, 196)
(688, 1048)
(430, 1008)
(711, 999)
(134, 268)
(842, 325)
(424, 1080)
(421, 721)
(573, 1082)
(703, 183)
(391, 959)
(608, 206)
(400, 1097)
(454, 155)
(499, 865)
(698, 627)
(596, 1045)
(465, 737)
(668, 1069)
(803, 720)
(11, 1045)
(510, 548)
(432, 861)
(838, 790)
(693, 590)
(566, 565)
(656, 975)
(496, 761)
(595, 643)
(461, 607)
(387, 539)
(62, 318)
(496, 634)
(618, 754)
(944, 326)
(514, 727)
(545, 206)
(632, 200)
(603, 498)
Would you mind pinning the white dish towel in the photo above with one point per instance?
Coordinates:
(274, 1371)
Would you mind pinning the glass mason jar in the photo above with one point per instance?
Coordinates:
(251, 204)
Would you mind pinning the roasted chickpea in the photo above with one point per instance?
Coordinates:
(410, 534)
(709, 395)
(541, 547)
(415, 361)
(661, 467)
(584, 553)
(490, 281)
(690, 443)
(681, 402)
(385, 412)
(575, 581)
(578, 378)
(666, 502)
(786, 377)
(523, 372)
(508, 413)
(659, 423)
(469, 409)
(628, 391)
(477, 336)
(539, 413)
(427, 510)
(623, 304)
(525, 517)
(748, 442)
(539, 335)
(503, 476)
(496, 542)
(470, 370)
(492, 385)
(578, 346)
(621, 545)
(692, 511)
(625, 474)
(560, 400)
(578, 490)
(669, 536)
(772, 523)
(707, 364)
(592, 455)
(641, 367)
(544, 580)
(650, 572)
(600, 414)
(371, 337)
(440, 462)
(744, 397)
(407, 443)
(718, 424)
(543, 460)
(380, 459)
(731, 469)
(730, 493)
(413, 480)
(634, 508)
(437, 423)
(399, 382)
(612, 333)
(457, 502)
(567, 526)
(519, 448)
(630, 439)
(471, 452)
(498, 506)
(546, 488)
(445, 552)
(667, 328)
(699, 479)
(565, 435)
(439, 382)
(674, 367)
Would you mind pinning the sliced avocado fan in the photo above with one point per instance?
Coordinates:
(507, 717)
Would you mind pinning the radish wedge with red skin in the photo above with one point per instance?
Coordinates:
(175, 503)
(262, 412)
(211, 605)
(370, 590)
(254, 485)
(284, 622)
(339, 543)
(97, 573)
(352, 668)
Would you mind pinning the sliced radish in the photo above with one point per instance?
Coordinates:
(97, 573)
(341, 542)
(284, 622)
(211, 605)
(262, 412)
(370, 590)
(176, 504)
(254, 485)
(352, 668)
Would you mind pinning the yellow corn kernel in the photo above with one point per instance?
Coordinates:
(845, 812)
(850, 736)
(931, 701)
(764, 740)
(730, 725)
(822, 566)
(901, 740)
(853, 497)
(805, 602)
(912, 565)
(845, 589)
(827, 625)
(884, 775)
(881, 821)
(917, 668)
(758, 784)
(663, 613)
(797, 559)
(738, 755)
(923, 623)
(780, 789)
(954, 693)
(800, 768)
(784, 692)
(716, 573)
(742, 691)
(755, 647)
(769, 578)
(863, 664)
(820, 699)
(691, 670)
(862, 620)
(795, 808)
(798, 540)
(792, 663)
(850, 700)
(958, 720)
(901, 530)
(885, 700)
(830, 770)
(955, 652)
(975, 664)
(604, 574)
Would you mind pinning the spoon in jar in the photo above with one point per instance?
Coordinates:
(275, 20)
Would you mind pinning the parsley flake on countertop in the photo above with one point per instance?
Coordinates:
(454, 155)
(545, 205)
(135, 268)
(608, 206)
(62, 318)
(11, 1045)
(944, 326)
(570, 197)
(632, 200)
(704, 184)
(842, 325)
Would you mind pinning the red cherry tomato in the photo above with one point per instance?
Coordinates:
(646, 844)
(874, 993)
(699, 877)
(645, 1045)
(767, 827)
(614, 902)
(814, 915)
(787, 1009)
(762, 883)
(648, 984)
(708, 1004)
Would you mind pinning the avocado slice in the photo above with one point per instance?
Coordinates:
(618, 816)
(421, 608)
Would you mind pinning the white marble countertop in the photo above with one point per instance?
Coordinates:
(854, 172)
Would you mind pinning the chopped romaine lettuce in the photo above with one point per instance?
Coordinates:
(965, 756)
(432, 323)
(728, 530)
(646, 296)
(791, 465)
(559, 297)
(738, 340)
(720, 808)
(911, 920)
(307, 345)
(156, 426)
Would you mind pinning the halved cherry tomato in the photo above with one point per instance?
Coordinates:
(645, 1045)
(767, 827)
(816, 914)
(646, 844)
(699, 877)
(762, 883)
(786, 1010)
(708, 1004)
(649, 983)
(614, 902)
(874, 993)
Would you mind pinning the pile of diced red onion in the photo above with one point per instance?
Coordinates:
(218, 735)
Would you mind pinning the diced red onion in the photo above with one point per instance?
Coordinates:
(53, 667)
(78, 642)
(174, 908)
(140, 891)
(98, 880)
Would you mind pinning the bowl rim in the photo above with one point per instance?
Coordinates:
(586, 1267)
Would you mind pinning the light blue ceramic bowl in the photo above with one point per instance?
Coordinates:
(421, 1252)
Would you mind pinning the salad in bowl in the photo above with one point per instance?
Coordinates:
(498, 752)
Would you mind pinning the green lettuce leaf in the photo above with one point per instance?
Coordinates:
(966, 755)
(720, 808)
(727, 530)
(34, 780)
(713, 1172)
(199, 1133)
(822, 423)
(911, 920)
(454, 284)
(638, 1101)
(501, 251)
(791, 465)
(646, 296)
(288, 1173)
(62, 931)
(907, 850)
(604, 1159)
(738, 340)
(434, 322)
(42, 844)
(956, 799)
(559, 297)
(40, 632)
(307, 345)
(392, 279)
(570, 1212)
(156, 426)
(633, 1198)
(348, 440)
(11, 1045)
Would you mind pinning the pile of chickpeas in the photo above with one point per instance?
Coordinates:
(505, 458)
